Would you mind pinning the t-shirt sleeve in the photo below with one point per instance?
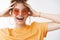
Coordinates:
(3, 33)
(42, 27)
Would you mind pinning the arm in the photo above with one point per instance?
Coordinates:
(54, 25)
(54, 17)
(6, 14)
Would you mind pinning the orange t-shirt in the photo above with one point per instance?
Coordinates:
(36, 31)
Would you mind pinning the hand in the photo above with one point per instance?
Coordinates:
(11, 7)
(6, 13)
(34, 12)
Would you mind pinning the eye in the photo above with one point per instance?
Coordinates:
(16, 11)
(24, 12)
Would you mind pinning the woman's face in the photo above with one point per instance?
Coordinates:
(20, 13)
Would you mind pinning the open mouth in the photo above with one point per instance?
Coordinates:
(20, 19)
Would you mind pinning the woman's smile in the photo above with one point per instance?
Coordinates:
(20, 19)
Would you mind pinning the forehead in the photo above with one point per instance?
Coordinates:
(20, 6)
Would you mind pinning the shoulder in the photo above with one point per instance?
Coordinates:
(42, 27)
(39, 23)
(4, 31)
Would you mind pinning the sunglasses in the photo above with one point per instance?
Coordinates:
(23, 12)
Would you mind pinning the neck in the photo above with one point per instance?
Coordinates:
(20, 25)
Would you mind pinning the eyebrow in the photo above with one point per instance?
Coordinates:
(26, 8)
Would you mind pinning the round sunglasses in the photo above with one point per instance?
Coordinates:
(17, 12)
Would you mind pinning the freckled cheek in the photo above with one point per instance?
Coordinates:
(25, 16)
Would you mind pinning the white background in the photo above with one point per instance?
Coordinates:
(46, 6)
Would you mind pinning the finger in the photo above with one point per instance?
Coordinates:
(29, 8)
(10, 8)
(28, 5)
(13, 3)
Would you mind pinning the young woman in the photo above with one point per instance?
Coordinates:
(20, 10)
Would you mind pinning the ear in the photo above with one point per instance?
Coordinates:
(29, 13)
(10, 13)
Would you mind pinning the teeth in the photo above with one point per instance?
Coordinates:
(20, 18)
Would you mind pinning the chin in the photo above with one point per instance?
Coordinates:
(20, 22)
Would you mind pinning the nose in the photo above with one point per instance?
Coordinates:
(20, 13)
